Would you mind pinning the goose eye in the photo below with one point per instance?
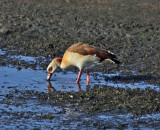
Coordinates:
(50, 69)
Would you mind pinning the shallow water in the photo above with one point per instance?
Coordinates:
(64, 80)
(24, 111)
(28, 79)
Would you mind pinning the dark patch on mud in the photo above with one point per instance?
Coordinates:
(102, 98)
(132, 79)
(101, 107)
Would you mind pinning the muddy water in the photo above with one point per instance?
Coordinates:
(21, 107)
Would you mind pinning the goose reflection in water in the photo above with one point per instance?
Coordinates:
(51, 89)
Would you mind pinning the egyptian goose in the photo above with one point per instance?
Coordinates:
(82, 56)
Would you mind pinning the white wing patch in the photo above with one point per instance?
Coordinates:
(110, 52)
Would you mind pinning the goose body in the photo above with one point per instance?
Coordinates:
(82, 56)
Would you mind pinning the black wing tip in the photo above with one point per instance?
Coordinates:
(116, 61)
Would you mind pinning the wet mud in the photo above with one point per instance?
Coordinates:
(32, 33)
(128, 29)
(29, 101)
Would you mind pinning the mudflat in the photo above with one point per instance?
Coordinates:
(45, 29)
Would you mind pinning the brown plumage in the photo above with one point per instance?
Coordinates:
(82, 56)
(85, 49)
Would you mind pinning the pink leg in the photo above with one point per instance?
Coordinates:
(88, 77)
(79, 87)
(79, 76)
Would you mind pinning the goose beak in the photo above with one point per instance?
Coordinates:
(49, 75)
